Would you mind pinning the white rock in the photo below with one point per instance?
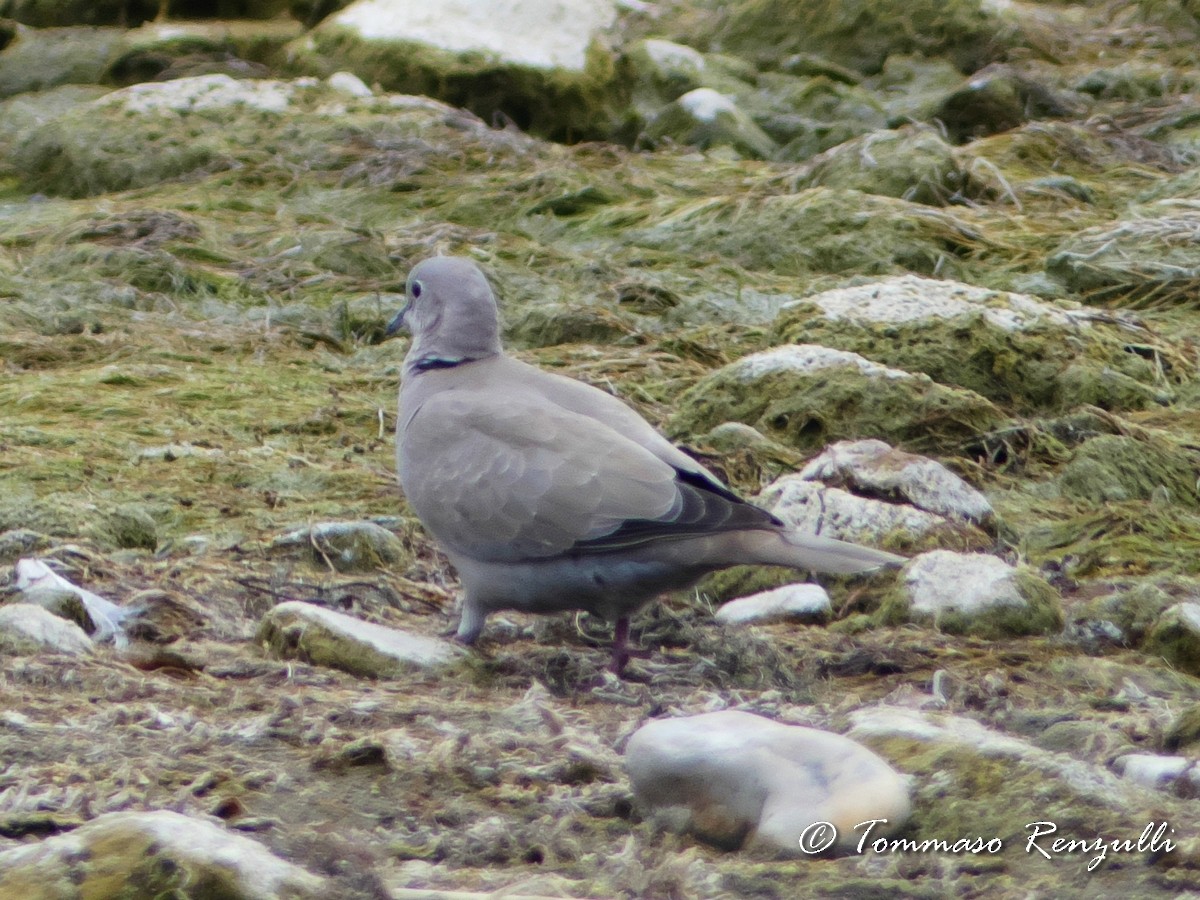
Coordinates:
(669, 55)
(731, 775)
(108, 856)
(33, 574)
(335, 639)
(969, 583)
(706, 104)
(349, 83)
(808, 358)
(25, 627)
(204, 92)
(833, 512)
(792, 602)
(540, 33)
(1151, 770)
(874, 466)
(911, 298)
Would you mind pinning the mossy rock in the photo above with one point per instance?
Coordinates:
(1149, 259)
(1116, 468)
(704, 118)
(807, 397)
(863, 34)
(912, 164)
(127, 527)
(24, 111)
(998, 99)
(810, 114)
(988, 599)
(1007, 347)
(346, 546)
(662, 71)
(37, 60)
(551, 102)
(1133, 610)
(1184, 732)
(816, 230)
(151, 133)
(20, 542)
(1175, 637)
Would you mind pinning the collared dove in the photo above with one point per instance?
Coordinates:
(548, 494)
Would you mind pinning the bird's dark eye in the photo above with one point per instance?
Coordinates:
(416, 290)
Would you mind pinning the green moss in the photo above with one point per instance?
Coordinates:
(1043, 366)
(863, 34)
(817, 230)
(1117, 468)
(128, 527)
(1176, 637)
(1133, 610)
(1184, 732)
(913, 164)
(808, 410)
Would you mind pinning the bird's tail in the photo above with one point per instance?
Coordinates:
(816, 553)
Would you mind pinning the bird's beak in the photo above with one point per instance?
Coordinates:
(397, 323)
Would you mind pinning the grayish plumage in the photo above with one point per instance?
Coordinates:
(548, 494)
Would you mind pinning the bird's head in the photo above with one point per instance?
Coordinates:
(450, 311)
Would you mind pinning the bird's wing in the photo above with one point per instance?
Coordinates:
(502, 475)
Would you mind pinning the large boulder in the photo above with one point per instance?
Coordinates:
(808, 395)
(741, 780)
(545, 65)
(1008, 347)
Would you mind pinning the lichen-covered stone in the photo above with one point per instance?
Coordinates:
(26, 628)
(1184, 732)
(913, 164)
(810, 506)
(999, 782)
(346, 546)
(1118, 468)
(1133, 610)
(705, 118)
(808, 396)
(875, 469)
(971, 593)
(1008, 347)
(296, 630)
(863, 34)
(127, 527)
(545, 65)
(1176, 637)
(156, 853)
(740, 780)
(206, 123)
(45, 58)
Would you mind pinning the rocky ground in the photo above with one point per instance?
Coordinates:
(971, 231)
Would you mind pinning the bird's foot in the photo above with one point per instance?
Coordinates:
(621, 651)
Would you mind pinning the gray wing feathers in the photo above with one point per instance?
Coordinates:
(521, 479)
